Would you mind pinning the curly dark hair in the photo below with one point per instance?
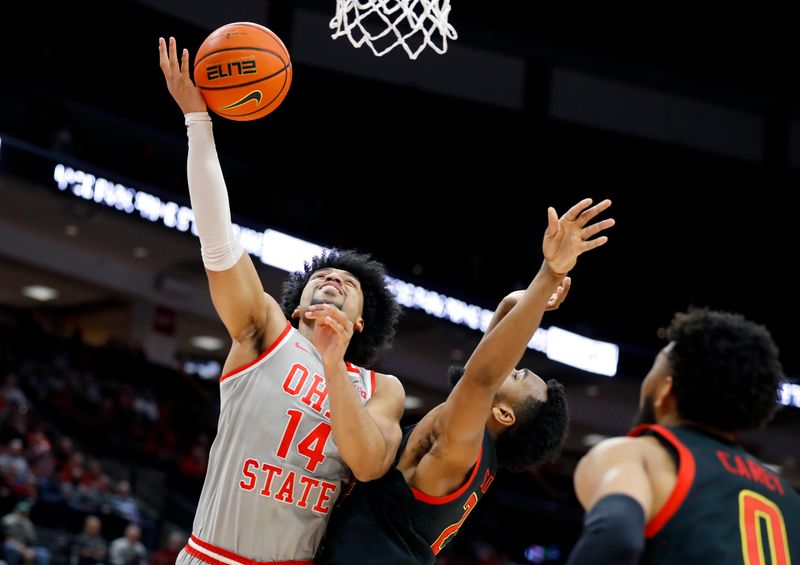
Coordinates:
(381, 310)
(725, 369)
(539, 432)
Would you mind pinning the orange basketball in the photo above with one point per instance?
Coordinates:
(243, 71)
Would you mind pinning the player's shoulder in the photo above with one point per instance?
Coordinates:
(616, 449)
(389, 380)
(611, 456)
(388, 384)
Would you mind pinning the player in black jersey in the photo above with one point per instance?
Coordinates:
(494, 415)
(679, 489)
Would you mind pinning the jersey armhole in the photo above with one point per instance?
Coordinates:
(685, 478)
(269, 352)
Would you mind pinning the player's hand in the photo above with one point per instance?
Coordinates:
(569, 236)
(332, 332)
(556, 299)
(179, 82)
(559, 295)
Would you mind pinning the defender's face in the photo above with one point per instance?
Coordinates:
(337, 288)
(521, 384)
(658, 372)
(650, 385)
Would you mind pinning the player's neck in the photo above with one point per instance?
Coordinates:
(306, 329)
(676, 420)
(729, 436)
(495, 428)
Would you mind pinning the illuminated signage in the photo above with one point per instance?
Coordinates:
(289, 253)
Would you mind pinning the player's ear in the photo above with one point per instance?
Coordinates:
(663, 392)
(503, 413)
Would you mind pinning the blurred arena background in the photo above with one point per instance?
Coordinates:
(441, 167)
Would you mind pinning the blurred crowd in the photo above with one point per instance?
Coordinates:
(79, 427)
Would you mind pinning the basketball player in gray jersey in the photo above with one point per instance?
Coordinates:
(298, 412)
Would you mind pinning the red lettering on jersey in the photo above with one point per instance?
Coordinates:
(297, 372)
(487, 481)
(315, 394)
(286, 492)
(292, 482)
(724, 458)
(308, 482)
(751, 470)
(251, 477)
(271, 470)
(452, 529)
(319, 390)
(765, 477)
(759, 474)
(323, 497)
(777, 482)
(741, 468)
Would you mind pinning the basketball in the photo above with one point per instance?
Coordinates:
(243, 71)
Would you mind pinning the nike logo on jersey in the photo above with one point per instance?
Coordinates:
(298, 346)
(255, 95)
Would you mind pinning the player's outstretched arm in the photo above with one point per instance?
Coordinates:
(236, 289)
(511, 300)
(460, 424)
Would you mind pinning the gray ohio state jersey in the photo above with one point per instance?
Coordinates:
(274, 471)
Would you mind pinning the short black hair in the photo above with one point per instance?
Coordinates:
(725, 369)
(381, 310)
(539, 432)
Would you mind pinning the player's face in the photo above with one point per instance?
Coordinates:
(658, 372)
(523, 383)
(337, 288)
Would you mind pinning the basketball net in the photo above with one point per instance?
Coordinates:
(385, 24)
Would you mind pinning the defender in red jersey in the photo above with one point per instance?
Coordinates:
(494, 416)
(680, 489)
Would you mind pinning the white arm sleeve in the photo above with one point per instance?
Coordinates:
(212, 215)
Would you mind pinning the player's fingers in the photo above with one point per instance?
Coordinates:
(316, 311)
(163, 59)
(594, 210)
(566, 284)
(334, 325)
(594, 229)
(593, 243)
(552, 222)
(173, 57)
(330, 310)
(185, 63)
(574, 212)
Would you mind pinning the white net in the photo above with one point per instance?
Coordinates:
(385, 24)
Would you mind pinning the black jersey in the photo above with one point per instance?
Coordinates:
(727, 507)
(387, 522)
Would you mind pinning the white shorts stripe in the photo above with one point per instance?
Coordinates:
(210, 553)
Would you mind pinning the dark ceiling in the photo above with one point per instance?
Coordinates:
(452, 193)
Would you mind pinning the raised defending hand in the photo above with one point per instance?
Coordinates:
(179, 81)
(332, 332)
(559, 295)
(569, 236)
(556, 299)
